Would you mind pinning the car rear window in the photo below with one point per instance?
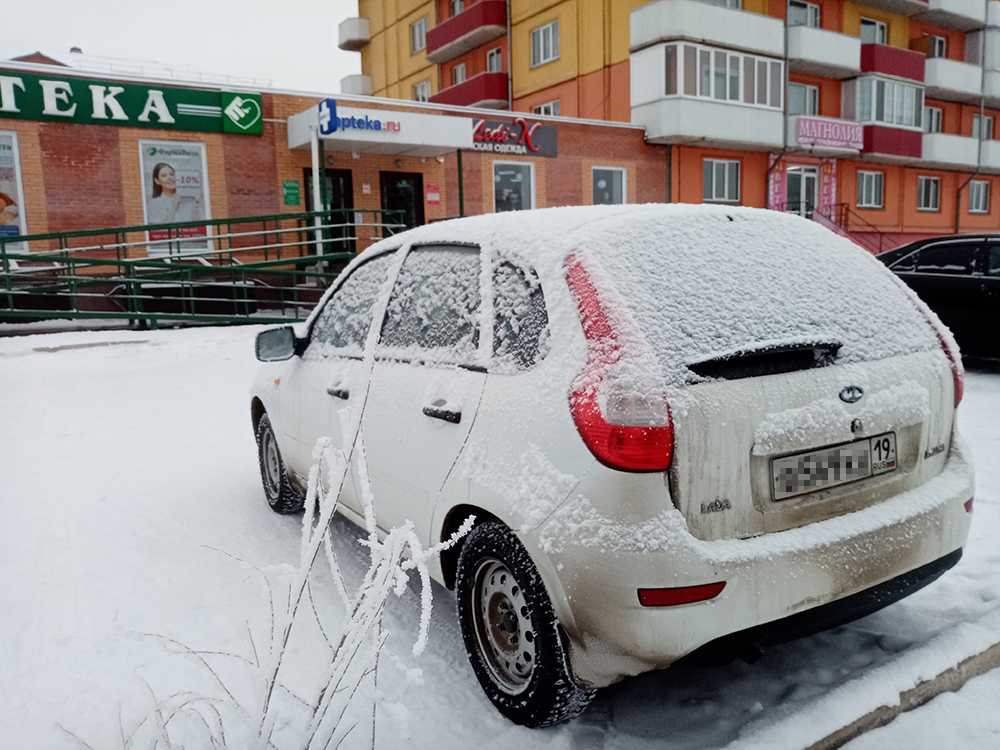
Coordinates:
(701, 286)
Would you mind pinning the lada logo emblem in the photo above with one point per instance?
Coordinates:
(851, 394)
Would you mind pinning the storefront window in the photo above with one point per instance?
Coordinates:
(609, 185)
(513, 186)
(11, 192)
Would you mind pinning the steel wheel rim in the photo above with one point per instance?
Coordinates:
(272, 465)
(504, 630)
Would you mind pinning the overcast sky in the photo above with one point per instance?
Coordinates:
(291, 42)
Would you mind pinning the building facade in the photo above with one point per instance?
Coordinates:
(876, 116)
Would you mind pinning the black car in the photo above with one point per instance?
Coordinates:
(958, 276)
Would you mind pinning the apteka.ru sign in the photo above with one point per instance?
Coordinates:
(84, 101)
(329, 122)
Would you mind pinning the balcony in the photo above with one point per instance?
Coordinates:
(892, 61)
(823, 53)
(899, 7)
(944, 151)
(664, 20)
(883, 140)
(991, 88)
(477, 25)
(961, 15)
(824, 136)
(353, 34)
(992, 13)
(991, 156)
(952, 80)
(709, 123)
(358, 85)
(484, 90)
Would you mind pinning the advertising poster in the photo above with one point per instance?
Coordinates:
(174, 189)
(11, 194)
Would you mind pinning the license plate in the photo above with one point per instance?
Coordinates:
(840, 464)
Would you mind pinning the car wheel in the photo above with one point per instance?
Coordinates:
(281, 495)
(515, 644)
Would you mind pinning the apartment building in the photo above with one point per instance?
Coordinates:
(876, 116)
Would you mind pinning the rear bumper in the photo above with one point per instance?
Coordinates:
(778, 586)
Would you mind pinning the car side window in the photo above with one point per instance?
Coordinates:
(342, 325)
(993, 261)
(955, 260)
(520, 323)
(434, 305)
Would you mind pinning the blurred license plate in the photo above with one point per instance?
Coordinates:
(818, 470)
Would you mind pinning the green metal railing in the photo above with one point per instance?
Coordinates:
(258, 269)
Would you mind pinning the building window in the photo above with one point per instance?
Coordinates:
(932, 119)
(457, 6)
(979, 197)
(693, 70)
(802, 99)
(418, 35)
(545, 44)
(549, 108)
(458, 74)
(928, 194)
(890, 102)
(513, 186)
(721, 181)
(939, 46)
(870, 189)
(609, 185)
(874, 32)
(734, 4)
(494, 61)
(982, 127)
(803, 14)
(422, 91)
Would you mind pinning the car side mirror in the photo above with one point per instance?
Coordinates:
(276, 345)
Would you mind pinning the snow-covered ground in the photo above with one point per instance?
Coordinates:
(132, 514)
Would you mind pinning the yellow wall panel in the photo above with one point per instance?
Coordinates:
(407, 7)
(620, 10)
(528, 79)
(412, 63)
(521, 10)
(373, 60)
(755, 6)
(593, 35)
(372, 10)
(392, 56)
(899, 26)
(389, 9)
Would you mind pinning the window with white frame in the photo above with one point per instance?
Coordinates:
(932, 119)
(545, 44)
(890, 102)
(457, 6)
(422, 91)
(513, 186)
(803, 99)
(928, 194)
(938, 47)
(494, 61)
(982, 127)
(979, 197)
(803, 14)
(721, 183)
(874, 32)
(734, 4)
(695, 70)
(609, 186)
(458, 74)
(549, 108)
(870, 189)
(418, 35)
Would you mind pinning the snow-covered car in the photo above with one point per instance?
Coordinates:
(685, 432)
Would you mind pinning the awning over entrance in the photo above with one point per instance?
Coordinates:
(381, 131)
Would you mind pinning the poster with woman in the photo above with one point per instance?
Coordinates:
(174, 190)
(11, 193)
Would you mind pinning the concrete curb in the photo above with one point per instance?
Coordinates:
(948, 681)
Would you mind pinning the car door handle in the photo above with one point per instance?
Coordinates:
(439, 412)
(338, 392)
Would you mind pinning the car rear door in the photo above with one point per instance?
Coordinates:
(426, 383)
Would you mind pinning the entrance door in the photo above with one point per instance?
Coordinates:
(404, 191)
(340, 193)
(802, 183)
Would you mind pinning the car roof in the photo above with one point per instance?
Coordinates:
(891, 256)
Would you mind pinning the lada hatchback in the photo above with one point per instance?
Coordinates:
(685, 433)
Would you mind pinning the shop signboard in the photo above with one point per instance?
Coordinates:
(11, 191)
(85, 101)
(517, 138)
(433, 193)
(291, 190)
(830, 132)
(174, 190)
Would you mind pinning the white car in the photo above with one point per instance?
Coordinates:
(686, 432)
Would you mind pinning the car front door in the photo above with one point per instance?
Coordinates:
(426, 382)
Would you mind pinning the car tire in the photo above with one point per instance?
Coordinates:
(516, 647)
(281, 495)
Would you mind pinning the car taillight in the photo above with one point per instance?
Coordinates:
(634, 432)
(683, 595)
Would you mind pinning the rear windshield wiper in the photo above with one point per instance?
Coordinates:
(767, 359)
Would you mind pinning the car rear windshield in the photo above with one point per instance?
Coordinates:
(709, 287)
